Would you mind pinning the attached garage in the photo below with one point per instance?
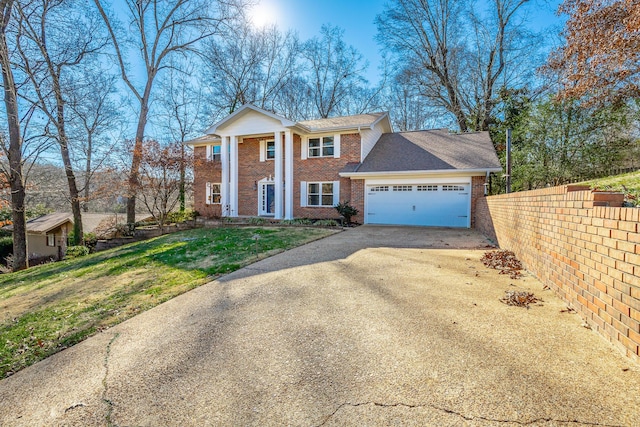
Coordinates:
(427, 204)
(424, 178)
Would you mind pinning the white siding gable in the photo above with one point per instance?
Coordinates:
(250, 123)
(369, 139)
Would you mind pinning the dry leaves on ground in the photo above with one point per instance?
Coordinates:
(505, 261)
(519, 298)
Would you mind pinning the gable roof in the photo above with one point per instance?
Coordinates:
(431, 150)
(247, 108)
(332, 124)
(345, 122)
(46, 223)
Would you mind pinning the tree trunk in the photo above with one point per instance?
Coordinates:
(134, 172)
(182, 178)
(14, 153)
(74, 194)
(87, 179)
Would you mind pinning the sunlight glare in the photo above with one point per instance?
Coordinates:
(263, 14)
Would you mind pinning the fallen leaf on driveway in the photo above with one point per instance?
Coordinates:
(519, 298)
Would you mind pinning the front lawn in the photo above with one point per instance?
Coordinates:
(53, 306)
(628, 183)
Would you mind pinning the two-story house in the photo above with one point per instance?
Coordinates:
(256, 163)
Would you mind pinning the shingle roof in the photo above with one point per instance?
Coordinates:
(48, 222)
(362, 120)
(431, 150)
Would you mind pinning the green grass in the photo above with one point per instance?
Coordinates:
(53, 306)
(628, 183)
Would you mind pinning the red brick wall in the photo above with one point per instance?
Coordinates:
(477, 192)
(588, 254)
(324, 169)
(357, 199)
(205, 171)
(251, 170)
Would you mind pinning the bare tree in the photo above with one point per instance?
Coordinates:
(335, 70)
(13, 149)
(48, 55)
(457, 56)
(410, 112)
(234, 63)
(248, 65)
(96, 128)
(161, 29)
(181, 114)
(160, 172)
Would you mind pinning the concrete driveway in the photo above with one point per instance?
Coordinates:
(372, 326)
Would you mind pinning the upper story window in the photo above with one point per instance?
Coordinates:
(321, 147)
(213, 153)
(271, 150)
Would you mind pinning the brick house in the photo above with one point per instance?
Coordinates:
(256, 163)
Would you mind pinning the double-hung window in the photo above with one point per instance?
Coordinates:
(320, 194)
(267, 150)
(321, 147)
(51, 239)
(213, 153)
(213, 193)
(271, 150)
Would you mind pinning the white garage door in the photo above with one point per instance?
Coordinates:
(442, 205)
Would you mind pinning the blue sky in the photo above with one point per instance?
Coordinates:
(356, 17)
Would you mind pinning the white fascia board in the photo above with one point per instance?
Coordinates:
(383, 116)
(203, 140)
(320, 131)
(425, 173)
(354, 128)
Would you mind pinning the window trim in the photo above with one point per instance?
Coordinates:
(51, 240)
(320, 194)
(321, 147)
(212, 155)
(267, 150)
(210, 194)
(305, 194)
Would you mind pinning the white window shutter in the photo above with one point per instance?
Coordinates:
(209, 152)
(304, 150)
(263, 150)
(336, 146)
(208, 195)
(303, 194)
(336, 192)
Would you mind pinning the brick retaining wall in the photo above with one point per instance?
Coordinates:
(582, 245)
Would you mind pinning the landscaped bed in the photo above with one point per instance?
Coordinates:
(628, 183)
(51, 307)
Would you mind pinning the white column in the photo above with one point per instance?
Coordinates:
(278, 178)
(288, 175)
(224, 184)
(233, 177)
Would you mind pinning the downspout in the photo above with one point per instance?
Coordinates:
(486, 183)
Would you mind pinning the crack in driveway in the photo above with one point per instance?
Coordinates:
(105, 386)
(465, 417)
